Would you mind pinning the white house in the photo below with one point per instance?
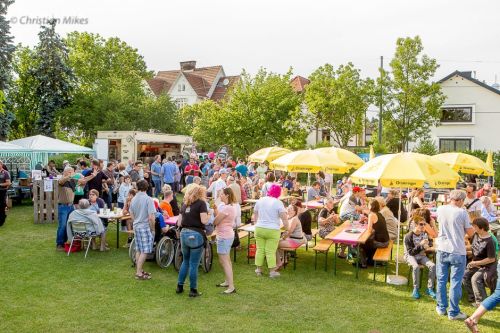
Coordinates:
(189, 85)
(471, 114)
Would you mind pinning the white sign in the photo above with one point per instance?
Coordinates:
(36, 174)
(47, 185)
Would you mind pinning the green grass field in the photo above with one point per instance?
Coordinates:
(45, 291)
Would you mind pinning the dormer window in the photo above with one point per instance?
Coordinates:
(181, 87)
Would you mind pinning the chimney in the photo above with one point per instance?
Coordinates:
(188, 65)
(467, 74)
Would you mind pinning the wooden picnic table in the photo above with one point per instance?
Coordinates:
(340, 236)
(314, 204)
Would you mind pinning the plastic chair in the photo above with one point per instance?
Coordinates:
(82, 231)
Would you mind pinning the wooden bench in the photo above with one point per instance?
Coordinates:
(323, 247)
(382, 254)
(241, 235)
(290, 250)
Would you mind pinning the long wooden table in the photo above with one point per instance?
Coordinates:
(336, 237)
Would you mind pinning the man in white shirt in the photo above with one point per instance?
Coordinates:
(217, 186)
(451, 254)
(472, 203)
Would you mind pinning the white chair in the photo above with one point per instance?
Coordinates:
(82, 231)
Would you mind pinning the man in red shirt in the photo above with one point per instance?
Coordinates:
(486, 188)
(192, 166)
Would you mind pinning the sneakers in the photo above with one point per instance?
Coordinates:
(274, 274)
(60, 248)
(416, 293)
(431, 293)
(258, 272)
(440, 312)
(179, 289)
(459, 316)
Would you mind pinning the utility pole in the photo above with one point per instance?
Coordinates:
(381, 98)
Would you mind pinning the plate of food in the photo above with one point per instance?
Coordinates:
(353, 231)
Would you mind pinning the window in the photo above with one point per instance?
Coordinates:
(180, 102)
(454, 144)
(458, 114)
(181, 87)
(325, 135)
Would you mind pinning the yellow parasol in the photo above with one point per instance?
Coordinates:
(268, 154)
(489, 162)
(309, 161)
(465, 163)
(344, 155)
(372, 153)
(406, 170)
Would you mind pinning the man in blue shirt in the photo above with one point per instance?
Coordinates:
(155, 172)
(168, 170)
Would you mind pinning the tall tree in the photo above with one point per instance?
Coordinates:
(54, 78)
(7, 49)
(111, 92)
(22, 95)
(338, 100)
(260, 111)
(411, 102)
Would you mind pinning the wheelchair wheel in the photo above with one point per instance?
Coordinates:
(131, 251)
(165, 252)
(178, 256)
(207, 257)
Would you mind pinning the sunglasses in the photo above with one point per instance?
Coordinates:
(422, 224)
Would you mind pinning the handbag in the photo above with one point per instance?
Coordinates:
(236, 240)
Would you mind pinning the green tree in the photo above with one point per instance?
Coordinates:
(22, 95)
(411, 102)
(260, 111)
(426, 146)
(54, 78)
(7, 49)
(338, 100)
(111, 92)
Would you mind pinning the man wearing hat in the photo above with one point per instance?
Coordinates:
(351, 207)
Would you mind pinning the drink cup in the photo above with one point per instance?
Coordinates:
(101, 211)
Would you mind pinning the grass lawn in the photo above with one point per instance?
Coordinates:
(45, 291)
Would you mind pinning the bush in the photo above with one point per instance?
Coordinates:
(426, 146)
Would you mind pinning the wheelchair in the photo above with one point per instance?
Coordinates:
(167, 249)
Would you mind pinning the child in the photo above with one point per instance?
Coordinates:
(128, 222)
(125, 187)
(415, 244)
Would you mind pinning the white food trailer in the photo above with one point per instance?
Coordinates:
(134, 145)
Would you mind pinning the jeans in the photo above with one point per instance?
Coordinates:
(492, 301)
(192, 247)
(157, 185)
(456, 262)
(414, 262)
(475, 284)
(267, 241)
(63, 210)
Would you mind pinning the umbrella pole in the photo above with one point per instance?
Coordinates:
(396, 279)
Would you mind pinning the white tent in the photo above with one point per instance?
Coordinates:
(12, 148)
(40, 143)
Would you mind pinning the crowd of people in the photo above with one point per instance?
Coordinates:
(214, 191)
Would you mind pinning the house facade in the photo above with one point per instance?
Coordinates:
(189, 85)
(470, 114)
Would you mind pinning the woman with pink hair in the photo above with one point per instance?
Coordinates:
(269, 212)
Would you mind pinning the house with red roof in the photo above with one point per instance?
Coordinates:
(189, 84)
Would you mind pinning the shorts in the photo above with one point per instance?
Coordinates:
(143, 240)
(224, 245)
